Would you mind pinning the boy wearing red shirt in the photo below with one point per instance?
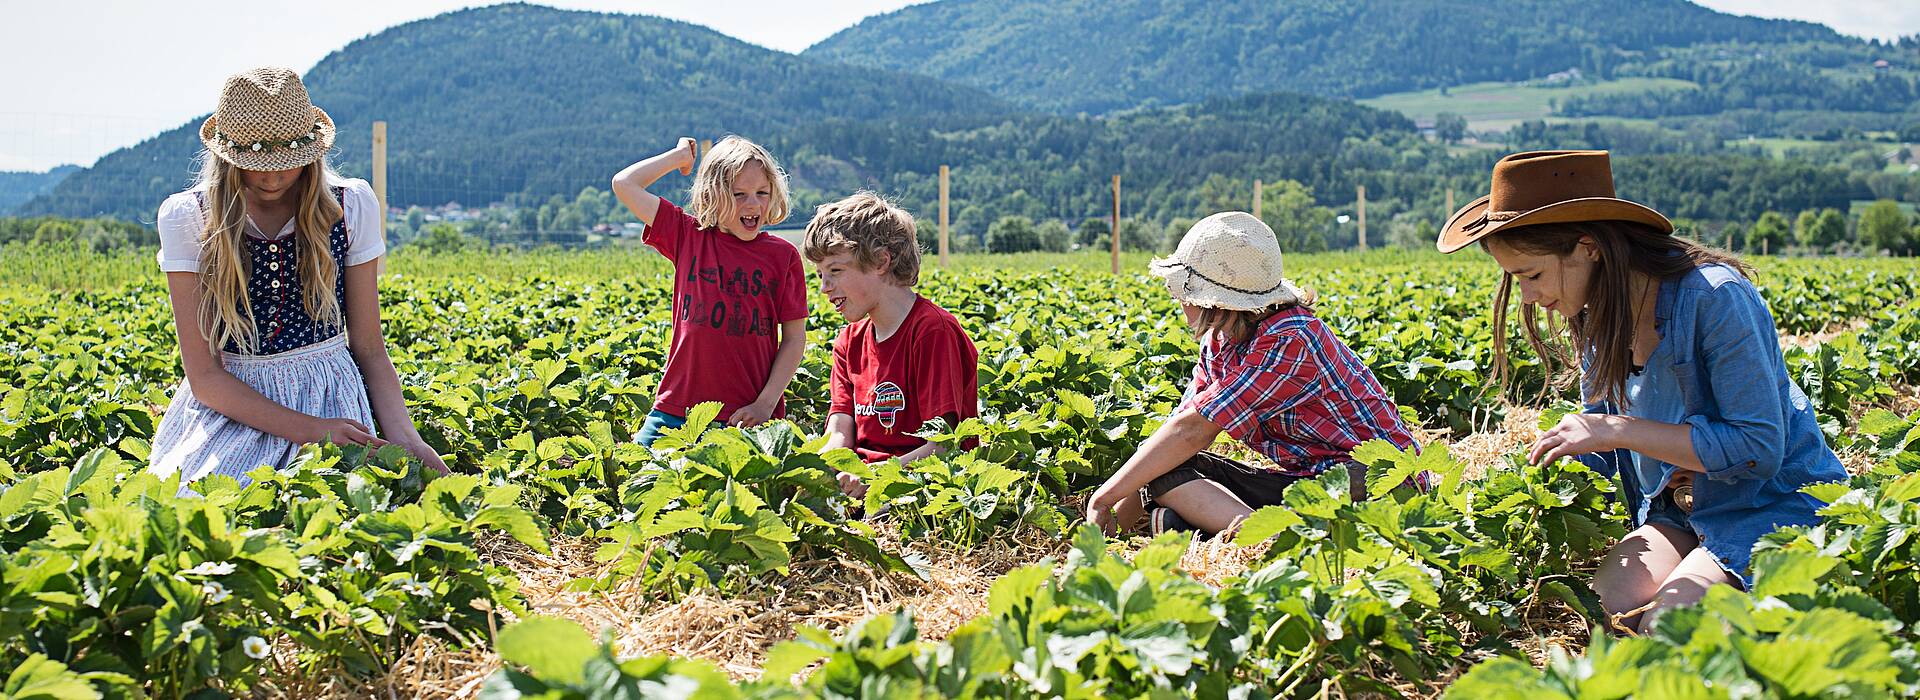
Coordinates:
(902, 360)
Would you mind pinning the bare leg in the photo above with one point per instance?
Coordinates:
(1206, 504)
(1634, 570)
(1687, 584)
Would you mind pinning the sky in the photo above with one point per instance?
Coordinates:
(114, 72)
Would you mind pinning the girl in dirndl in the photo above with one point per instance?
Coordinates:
(270, 263)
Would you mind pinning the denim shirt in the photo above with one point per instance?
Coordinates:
(1719, 369)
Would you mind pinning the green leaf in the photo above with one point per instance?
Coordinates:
(1779, 572)
(1901, 490)
(699, 419)
(1017, 586)
(1265, 523)
(1504, 678)
(41, 678)
(1076, 404)
(90, 465)
(1578, 596)
(1161, 647)
(32, 493)
(1827, 492)
(550, 647)
(790, 657)
(516, 522)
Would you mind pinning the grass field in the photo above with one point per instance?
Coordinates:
(1499, 106)
(728, 561)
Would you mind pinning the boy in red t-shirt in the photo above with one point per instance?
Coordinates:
(902, 360)
(739, 293)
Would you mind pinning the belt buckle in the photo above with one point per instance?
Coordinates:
(1683, 497)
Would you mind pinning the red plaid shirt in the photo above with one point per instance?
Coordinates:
(1295, 393)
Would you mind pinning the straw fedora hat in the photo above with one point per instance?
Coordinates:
(1230, 260)
(267, 122)
(1545, 187)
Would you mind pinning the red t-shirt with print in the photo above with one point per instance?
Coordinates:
(729, 298)
(927, 368)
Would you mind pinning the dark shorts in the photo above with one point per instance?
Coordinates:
(1663, 511)
(1257, 487)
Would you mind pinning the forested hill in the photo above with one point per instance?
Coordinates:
(520, 102)
(18, 187)
(529, 106)
(1105, 55)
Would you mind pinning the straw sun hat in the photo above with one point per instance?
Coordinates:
(1546, 187)
(267, 122)
(1230, 260)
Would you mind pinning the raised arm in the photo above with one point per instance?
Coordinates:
(631, 183)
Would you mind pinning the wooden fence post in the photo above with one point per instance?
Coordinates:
(380, 184)
(1116, 224)
(1363, 216)
(943, 216)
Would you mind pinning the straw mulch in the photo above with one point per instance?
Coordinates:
(735, 633)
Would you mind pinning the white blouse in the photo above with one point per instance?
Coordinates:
(180, 223)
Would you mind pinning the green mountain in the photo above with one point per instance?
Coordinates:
(1106, 55)
(531, 106)
(518, 102)
(18, 187)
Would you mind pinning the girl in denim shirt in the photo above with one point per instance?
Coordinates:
(1689, 401)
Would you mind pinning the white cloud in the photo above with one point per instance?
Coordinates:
(1870, 19)
(109, 73)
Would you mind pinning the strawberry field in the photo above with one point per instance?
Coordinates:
(561, 560)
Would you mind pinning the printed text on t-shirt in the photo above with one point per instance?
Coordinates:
(726, 313)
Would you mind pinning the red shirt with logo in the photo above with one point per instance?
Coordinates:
(927, 368)
(729, 298)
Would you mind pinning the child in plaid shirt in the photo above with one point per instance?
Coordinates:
(1270, 374)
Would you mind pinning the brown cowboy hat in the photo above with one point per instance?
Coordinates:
(1545, 187)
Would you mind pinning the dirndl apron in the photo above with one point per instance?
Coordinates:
(303, 365)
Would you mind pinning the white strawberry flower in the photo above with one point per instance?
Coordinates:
(413, 587)
(216, 593)
(255, 647)
(211, 568)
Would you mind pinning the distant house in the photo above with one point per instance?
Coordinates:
(1570, 75)
(1882, 66)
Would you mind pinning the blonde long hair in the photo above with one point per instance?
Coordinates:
(711, 201)
(226, 312)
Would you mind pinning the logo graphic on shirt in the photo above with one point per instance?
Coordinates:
(888, 402)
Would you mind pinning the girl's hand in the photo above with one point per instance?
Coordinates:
(1576, 434)
(420, 451)
(851, 485)
(1100, 510)
(340, 431)
(750, 415)
(689, 152)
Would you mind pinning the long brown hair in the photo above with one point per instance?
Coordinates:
(225, 311)
(1237, 326)
(1602, 333)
